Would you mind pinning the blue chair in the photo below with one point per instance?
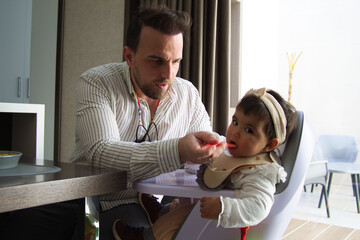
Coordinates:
(317, 173)
(337, 149)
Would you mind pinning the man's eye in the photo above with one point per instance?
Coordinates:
(249, 130)
(234, 122)
(159, 61)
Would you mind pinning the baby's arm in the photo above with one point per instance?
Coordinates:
(210, 207)
(252, 203)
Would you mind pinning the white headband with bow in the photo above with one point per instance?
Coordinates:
(276, 111)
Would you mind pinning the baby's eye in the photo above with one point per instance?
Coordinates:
(249, 130)
(234, 122)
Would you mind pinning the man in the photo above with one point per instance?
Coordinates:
(138, 116)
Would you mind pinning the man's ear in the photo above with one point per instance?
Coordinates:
(128, 54)
(272, 144)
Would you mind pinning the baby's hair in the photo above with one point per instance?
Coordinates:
(253, 106)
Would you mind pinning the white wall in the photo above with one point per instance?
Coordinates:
(327, 79)
(259, 44)
(327, 75)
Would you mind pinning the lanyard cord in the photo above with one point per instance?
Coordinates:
(138, 101)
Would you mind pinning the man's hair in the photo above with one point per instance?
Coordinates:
(161, 18)
(253, 106)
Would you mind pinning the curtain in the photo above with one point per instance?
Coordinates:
(206, 56)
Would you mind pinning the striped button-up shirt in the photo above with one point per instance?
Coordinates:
(107, 118)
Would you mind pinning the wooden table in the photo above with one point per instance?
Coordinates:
(73, 182)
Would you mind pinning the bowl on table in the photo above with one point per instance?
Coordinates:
(9, 159)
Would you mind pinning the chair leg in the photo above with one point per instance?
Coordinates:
(323, 193)
(353, 179)
(355, 183)
(327, 191)
(321, 197)
(329, 183)
(358, 182)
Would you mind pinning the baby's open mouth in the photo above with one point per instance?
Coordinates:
(231, 144)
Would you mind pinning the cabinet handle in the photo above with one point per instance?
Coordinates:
(19, 86)
(28, 87)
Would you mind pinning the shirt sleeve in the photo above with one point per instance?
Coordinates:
(255, 190)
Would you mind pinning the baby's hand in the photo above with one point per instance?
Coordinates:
(210, 207)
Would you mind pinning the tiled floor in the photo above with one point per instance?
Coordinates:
(342, 204)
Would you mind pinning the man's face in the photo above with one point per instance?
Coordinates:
(155, 64)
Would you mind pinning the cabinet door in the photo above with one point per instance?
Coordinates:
(15, 37)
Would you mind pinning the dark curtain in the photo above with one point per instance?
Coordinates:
(206, 57)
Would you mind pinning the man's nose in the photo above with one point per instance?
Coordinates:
(168, 70)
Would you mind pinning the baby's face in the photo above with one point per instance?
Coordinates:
(247, 136)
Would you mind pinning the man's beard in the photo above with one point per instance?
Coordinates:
(150, 90)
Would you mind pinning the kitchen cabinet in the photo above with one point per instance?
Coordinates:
(15, 39)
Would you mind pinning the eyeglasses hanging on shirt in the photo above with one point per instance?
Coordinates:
(139, 138)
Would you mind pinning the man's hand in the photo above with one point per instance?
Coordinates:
(191, 147)
(210, 207)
